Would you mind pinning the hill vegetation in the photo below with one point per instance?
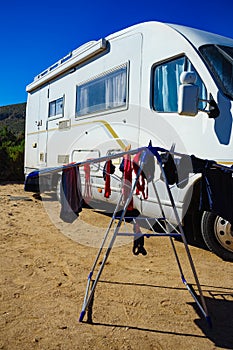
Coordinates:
(12, 124)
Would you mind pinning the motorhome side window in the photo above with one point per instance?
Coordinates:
(166, 81)
(56, 107)
(103, 93)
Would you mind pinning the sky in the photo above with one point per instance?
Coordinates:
(36, 34)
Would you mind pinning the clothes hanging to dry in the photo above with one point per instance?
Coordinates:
(169, 168)
(216, 187)
(146, 175)
(71, 194)
(127, 180)
(108, 170)
(107, 188)
(141, 186)
(138, 244)
(217, 192)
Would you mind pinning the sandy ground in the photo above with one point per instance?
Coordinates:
(140, 301)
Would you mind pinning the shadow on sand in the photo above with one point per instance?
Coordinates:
(219, 303)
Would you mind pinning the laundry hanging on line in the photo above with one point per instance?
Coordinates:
(127, 180)
(71, 194)
(216, 184)
(147, 173)
(87, 188)
(216, 193)
(108, 170)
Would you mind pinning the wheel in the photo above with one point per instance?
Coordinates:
(218, 235)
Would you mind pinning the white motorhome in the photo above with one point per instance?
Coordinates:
(123, 90)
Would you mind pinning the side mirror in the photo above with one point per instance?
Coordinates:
(188, 94)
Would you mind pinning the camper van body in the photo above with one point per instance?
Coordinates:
(122, 90)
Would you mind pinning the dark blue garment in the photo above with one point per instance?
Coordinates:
(217, 192)
(112, 169)
(199, 165)
(71, 195)
(216, 184)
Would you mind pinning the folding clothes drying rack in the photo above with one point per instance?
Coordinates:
(117, 228)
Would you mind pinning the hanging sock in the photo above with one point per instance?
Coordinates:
(138, 244)
(107, 188)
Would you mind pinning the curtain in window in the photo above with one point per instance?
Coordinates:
(52, 109)
(115, 89)
(167, 81)
(104, 93)
(82, 100)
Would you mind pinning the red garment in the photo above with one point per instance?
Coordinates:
(87, 189)
(127, 180)
(107, 189)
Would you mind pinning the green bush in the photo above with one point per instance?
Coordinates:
(11, 155)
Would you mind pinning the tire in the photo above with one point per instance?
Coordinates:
(218, 235)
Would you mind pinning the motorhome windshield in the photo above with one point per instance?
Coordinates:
(220, 61)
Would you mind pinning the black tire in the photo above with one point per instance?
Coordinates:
(192, 229)
(218, 235)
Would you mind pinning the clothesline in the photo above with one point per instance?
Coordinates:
(216, 183)
(154, 150)
(47, 171)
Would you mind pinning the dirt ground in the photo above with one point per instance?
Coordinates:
(140, 301)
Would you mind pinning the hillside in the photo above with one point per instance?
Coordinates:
(12, 123)
(13, 117)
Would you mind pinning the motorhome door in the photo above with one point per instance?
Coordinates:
(41, 123)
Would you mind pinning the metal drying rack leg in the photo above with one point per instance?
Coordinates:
(92, 283)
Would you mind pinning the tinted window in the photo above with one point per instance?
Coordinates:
(220, 62)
